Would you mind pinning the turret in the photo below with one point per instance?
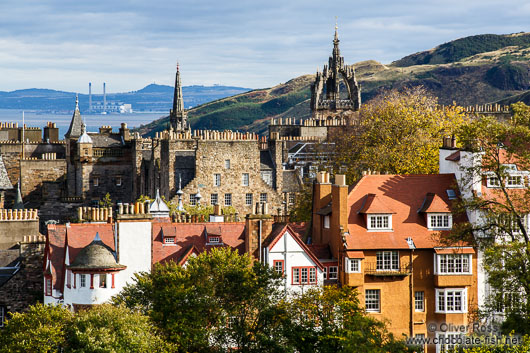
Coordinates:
(84, 144)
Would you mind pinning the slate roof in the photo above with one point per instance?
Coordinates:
(75, 124)
(405, 195)
(265, 160)
(9, 259)
(291, 181)
(5, 183)
(106, 141)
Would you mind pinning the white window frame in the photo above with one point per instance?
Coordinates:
(441, 346)
(263, 197)
(228, 199)
(443, 217)
(449, 298)
(82, 280)
(443, 264)
(375, 300)
(214, 199)
(492, 181)
(376, 222)
(245, 179)
(217, 179)
(389, 261)
(102, 283)
(249, 199)
(95, 181)
(214, 240)
(419, 301)
(291, 198)
(193, 200)
(353, 265)
(119, 181)
(326, 222)
(227, 164)
(169, 240)
(510, 184)
(333, 274)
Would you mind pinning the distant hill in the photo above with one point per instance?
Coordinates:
(153, 97)
(468, 71)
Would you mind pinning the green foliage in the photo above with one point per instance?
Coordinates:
(508, 76)
(144, 198)
(502, 233)
(106, 201)
(218, 299)
(520, 347)
(107, 328)
(330, 319)
(398, 133)
(302, 209)
(40, 329)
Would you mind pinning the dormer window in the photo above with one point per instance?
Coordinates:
(169, 240)
(214, 239)
(515, 181)
(439, 221)
(379, 222)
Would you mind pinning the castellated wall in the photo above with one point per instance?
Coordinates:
(244, 157)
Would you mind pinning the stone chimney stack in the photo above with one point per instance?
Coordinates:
(257, 228)
(339, 213)
(321, 198)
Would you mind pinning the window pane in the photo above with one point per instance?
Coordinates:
(313, 275)
(248, 199)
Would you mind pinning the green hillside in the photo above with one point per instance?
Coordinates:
(468, 71)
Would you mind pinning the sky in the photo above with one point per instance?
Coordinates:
(64, 44)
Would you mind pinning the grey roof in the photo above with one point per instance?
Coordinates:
(265, 160)
(104, 140)
(84, 138)
(75, 124)
(5, 183)
(291, 181)
(95, 255)
(9, 264)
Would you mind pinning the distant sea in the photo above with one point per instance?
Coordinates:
(34, 118)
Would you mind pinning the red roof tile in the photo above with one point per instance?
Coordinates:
(373, 204)
(404, 194)
(434, 203)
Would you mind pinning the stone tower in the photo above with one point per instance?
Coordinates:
(325, 91)
(177, 116)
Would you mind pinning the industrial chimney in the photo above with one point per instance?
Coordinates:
(104, 99)
(90, 97)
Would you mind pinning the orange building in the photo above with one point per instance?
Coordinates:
(385, 233)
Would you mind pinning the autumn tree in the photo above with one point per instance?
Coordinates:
(496, 161)
(398, 132)
(219, 301)
(330, 319)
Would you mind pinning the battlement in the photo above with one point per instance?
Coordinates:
(208, 135)
(309, 122)
(18, 215)
(44, 157)
(33, 239)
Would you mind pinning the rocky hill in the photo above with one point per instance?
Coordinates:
(468, 71)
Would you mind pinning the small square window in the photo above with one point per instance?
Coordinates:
(326, 222)
(118, 181)
(263, 197)
(214, 240)
(169, 240)
(248, 199)
(193, 200)
(376, 222)
(333, 272)
(227, 164)
(278, 266)
(354, 265)
(214, 199)
(96, 181)
(217, 180)
(419, 301)
(102, 280)
(372, 300)
(228, 199)
(245, 179)
(514, 181)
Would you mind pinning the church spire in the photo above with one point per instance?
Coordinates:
(178, 117)
(77, 121)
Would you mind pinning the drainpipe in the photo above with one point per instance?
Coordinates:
(259, 240)
(285, 261)
(411, 296)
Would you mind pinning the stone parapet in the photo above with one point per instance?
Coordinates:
(18, 215)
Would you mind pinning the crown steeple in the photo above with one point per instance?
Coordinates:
(178, 117)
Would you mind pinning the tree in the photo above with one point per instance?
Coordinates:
(40, 329)
(107, 328)
(498, 156)
(106, 201)
(398, 132)
(330, 319)
(217, 302)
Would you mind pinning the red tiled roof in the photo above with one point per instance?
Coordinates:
(188, 235)
(373, 204)
(74, 237)
(404, 194)
(434, 203)
(455, 156)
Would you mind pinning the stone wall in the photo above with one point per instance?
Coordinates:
(13, 231)
(37, 171)
(25, 288)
